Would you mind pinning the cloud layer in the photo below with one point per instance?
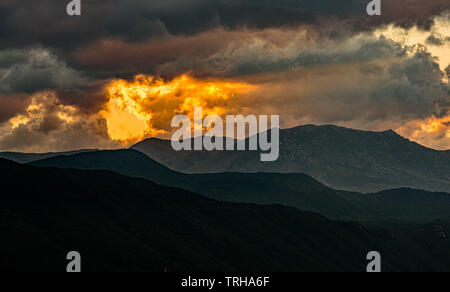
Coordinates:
(33, 70)
(309, 61)
(28, 22)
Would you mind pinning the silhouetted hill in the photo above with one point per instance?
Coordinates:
(30, 157)
(341, 158)
(119, 223)
(128, 162)
(295, 190)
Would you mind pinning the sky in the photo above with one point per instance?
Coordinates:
(121, 71)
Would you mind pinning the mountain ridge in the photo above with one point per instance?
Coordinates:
(295, 190)
(22, 157)
(119, 223)
(342, 158)
(330, 126)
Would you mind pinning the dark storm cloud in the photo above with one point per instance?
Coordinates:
(88, 98)
(119, 58)
(45, 22)
(125, 37)
(416, 86)
(24, 72)
(32, 70)
(422, 70)
(223, 53)
(25, 22)
(260, 55)
(395, 90)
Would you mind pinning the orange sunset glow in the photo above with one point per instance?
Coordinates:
(426, 131)
(145, 106)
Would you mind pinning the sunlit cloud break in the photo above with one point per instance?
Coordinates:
(112, 86)
(145, 106)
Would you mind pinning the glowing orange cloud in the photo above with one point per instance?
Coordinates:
(145, 106)
(433, 132)
(42, 105)
(437, 126)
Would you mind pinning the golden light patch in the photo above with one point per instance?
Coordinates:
(145, 106)
(433, 132)
(39, 108)
(437, 126)
(18, 121)
(416, 36)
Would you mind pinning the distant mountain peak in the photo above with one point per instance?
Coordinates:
(337, 128)
(392, 132)
(342, 158)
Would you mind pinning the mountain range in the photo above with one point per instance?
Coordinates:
(119, 223)
(30, 157)
(340, 158)
(134, 210)
(295, 190)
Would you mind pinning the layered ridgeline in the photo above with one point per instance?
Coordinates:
(20, 157)
(295, 190)
(338, 157)
(119, 223)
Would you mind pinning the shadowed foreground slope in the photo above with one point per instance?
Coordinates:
(119, 223)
